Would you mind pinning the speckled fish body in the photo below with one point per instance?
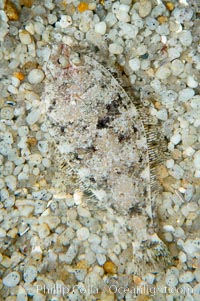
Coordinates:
(100, 137)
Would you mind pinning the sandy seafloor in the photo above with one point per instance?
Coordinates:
(52, 245)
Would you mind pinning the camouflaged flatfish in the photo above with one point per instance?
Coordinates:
(104, 143)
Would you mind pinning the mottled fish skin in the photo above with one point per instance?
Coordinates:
(99, 140)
